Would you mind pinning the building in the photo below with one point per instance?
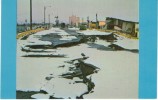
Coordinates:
(110, 23)
(129, 27)
(97, 25)
(137, 30)
(74, 21)
(93, 25)
(101, 24)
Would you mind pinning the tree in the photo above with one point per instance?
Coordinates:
(62, 25)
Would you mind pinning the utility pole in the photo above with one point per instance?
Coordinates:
(97, 23)
(30, 14)
(49, 20)
(88, 21)
(96, 17)
(44, 14)
(57, 21)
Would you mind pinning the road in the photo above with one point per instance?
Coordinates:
(118, 77)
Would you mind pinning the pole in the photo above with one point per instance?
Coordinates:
(49, 20)
(30, 14)
(44, 15)
(88, 21)
(97, 23)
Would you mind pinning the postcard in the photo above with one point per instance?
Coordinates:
(80, 49)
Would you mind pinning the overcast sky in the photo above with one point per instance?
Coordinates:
(124, 9)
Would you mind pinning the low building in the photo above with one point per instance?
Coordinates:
(101, 24)
(129, 27)
(93, 25)
(110, 23)
(74, 21)
(97, 25)
(136, 30)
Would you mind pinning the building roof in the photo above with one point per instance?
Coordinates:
(134, 21)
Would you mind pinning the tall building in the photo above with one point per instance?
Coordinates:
(74, 20)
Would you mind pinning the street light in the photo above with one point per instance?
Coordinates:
(45, 7)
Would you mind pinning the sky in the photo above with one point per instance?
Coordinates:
(123, 9)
